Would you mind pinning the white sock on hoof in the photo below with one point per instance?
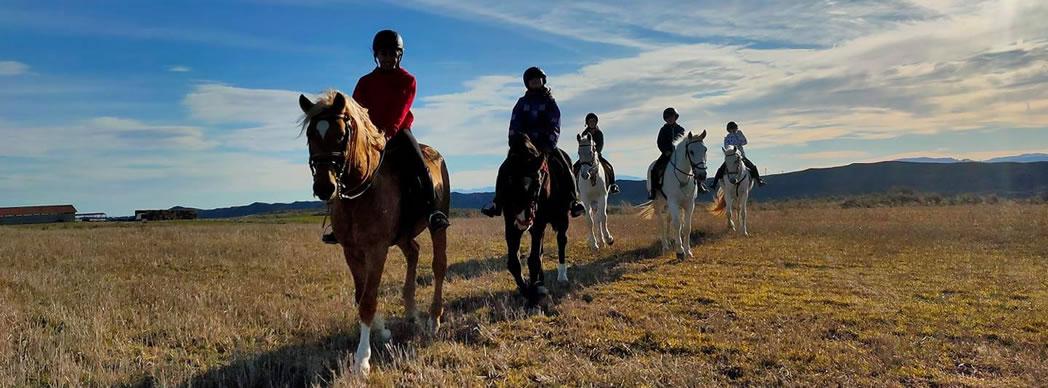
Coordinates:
(562, 272)
(363, 355)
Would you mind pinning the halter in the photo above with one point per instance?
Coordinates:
(687, 174)
(591, 163)
(336, 161)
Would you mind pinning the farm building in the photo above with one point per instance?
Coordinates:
(37, 214)
(161, 215)
(91, 217)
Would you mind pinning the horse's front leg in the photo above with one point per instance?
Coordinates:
(689, 211)
(562, 244)
(743, 212)
(591, 216)
(374, 262)
(513, 236)
(536, 283)
(729, 203)
(602, 217)
(675, 229)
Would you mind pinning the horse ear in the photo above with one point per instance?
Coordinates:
(702, 135)
(339, 104)
(578, 138)
(304, 103)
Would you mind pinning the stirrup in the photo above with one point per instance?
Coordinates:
(491, 210)
(329, 238)
(438, 220)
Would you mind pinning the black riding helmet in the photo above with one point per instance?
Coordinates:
(732, 125)
(593, 116)
(534, 72)
(670, 111)
(387, 40)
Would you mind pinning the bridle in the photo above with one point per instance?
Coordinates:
(691, 163)
(592, 163)
(336, 161)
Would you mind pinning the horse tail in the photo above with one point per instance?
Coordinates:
(646, 210)
(718, 206)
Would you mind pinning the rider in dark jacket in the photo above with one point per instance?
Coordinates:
(669, 135)
(538, 116)
(597, 135)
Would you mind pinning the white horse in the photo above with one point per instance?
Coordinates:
(680, 185)
(734, 189)
(593, 191)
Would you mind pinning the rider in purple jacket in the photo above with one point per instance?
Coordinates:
(538, 116)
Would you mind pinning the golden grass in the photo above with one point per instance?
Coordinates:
(818, 296)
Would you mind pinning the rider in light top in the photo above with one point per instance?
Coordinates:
(737, 139)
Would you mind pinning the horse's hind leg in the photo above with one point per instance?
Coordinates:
(410, 249)
(440, 268)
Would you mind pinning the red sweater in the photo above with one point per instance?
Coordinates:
(387, 95)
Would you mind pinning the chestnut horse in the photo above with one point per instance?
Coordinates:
(531, 199)
(364, 195)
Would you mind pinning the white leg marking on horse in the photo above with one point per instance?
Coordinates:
(363, 355)
(562, 272)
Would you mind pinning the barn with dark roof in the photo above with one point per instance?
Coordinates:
(37, 214)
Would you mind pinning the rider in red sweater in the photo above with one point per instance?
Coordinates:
(387, 93)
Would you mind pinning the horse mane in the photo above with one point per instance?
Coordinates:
(367, 140)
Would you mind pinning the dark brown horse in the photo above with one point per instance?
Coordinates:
(531, 199)
(350, 171)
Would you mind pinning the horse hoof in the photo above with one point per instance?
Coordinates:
(611, 242)
(680, 256)
(562, 273)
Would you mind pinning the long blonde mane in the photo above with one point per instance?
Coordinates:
(367, 140)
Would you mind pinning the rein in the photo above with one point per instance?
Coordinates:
(691, 163)
(338, 161)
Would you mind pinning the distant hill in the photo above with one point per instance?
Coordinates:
(1003, 178)
(933, 160)
(1024, 158)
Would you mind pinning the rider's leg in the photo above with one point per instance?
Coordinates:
(717, 177)
(493, 208)
(567, 181)
(754, 172)
(612, 186)
(415, 171)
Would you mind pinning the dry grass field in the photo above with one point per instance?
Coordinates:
(949, 295)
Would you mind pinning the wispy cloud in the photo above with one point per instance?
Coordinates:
(981, 67)
(179, 69)
(9, 68)
(100, 135)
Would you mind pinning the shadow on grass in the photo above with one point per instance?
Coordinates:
(317, 362)
(606, 269)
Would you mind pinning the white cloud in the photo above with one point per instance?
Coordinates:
(268, 117)
(9, 68)
(842, 155)
(179, 69)
(100, 135)
(949, 67)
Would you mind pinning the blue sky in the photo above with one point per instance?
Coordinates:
(119, 105)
